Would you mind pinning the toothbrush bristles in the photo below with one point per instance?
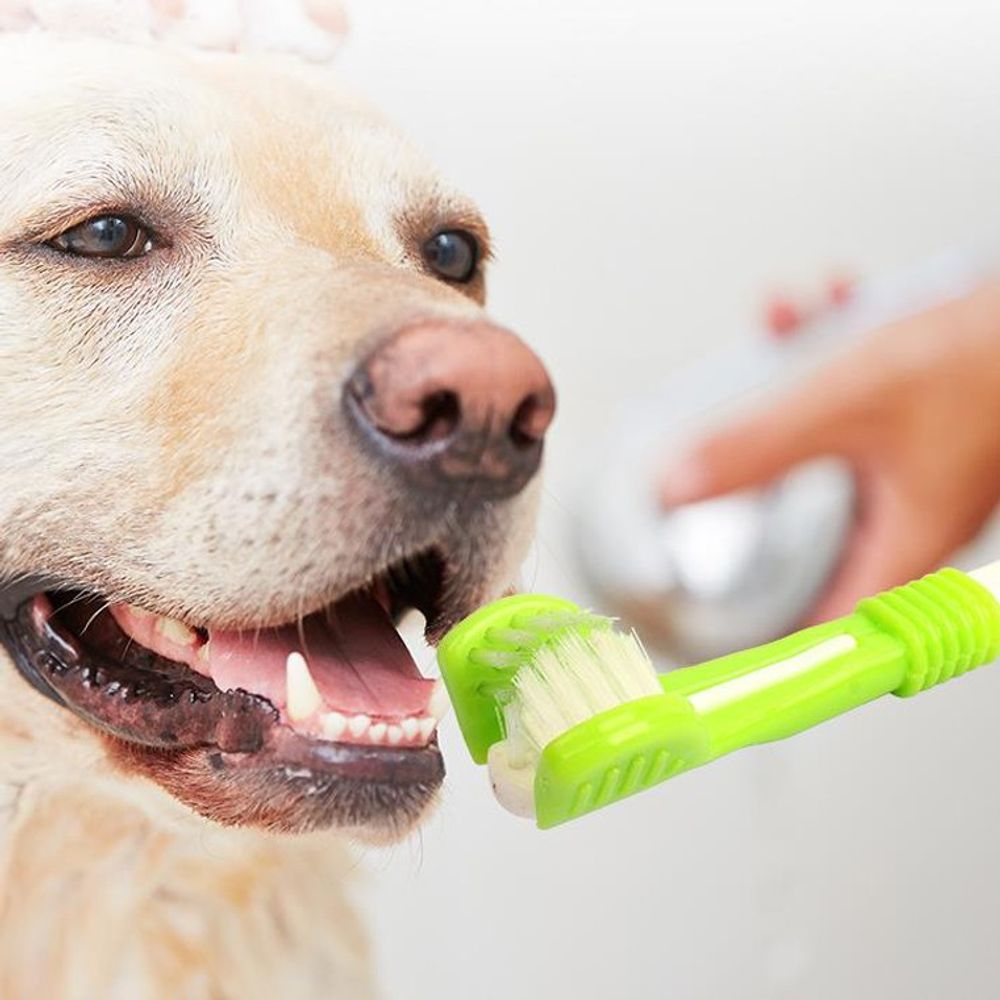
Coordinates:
(571, 679)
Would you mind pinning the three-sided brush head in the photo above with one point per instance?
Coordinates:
(480, 657)
(569, 713)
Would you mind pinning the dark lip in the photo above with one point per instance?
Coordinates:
(182, 712)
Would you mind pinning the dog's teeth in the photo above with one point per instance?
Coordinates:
(334, 725)
(410, 727)
(440, 703)
(137, 612)
(176, 632)
(427, 726)
(394, 735)
(377, 732)
(358, 725)
(302, 698)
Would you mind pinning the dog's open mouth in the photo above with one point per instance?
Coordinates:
(331, 706)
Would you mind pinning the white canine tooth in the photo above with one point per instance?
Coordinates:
(358, 725)
(137, 612)
(427, 726)
(377, 732)
(439, 703)
(334, 725)
(175, 631)
(302, 697)
(394, 735)
(410, 727)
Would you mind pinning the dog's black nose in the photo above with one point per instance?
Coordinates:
(455, 406)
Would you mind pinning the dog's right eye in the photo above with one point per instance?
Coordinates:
(118, 237)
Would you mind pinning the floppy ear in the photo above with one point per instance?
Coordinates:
(311, 29)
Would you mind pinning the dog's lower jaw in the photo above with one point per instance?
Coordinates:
(111, 888)
(106, 897)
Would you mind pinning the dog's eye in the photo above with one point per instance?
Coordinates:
(113, 236)
(453, 254)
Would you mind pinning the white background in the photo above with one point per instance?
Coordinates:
(650, 169)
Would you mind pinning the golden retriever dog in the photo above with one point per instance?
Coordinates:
(252, 414)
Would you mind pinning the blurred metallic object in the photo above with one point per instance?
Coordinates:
(712, 577)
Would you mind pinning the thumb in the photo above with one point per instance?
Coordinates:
(812, 420)
(889, 545)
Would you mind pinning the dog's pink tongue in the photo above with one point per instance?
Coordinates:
(357, 659)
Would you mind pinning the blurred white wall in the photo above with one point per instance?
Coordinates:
(650, 168)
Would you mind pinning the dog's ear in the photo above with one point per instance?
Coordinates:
(312, 29)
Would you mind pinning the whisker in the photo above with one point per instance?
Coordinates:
(300, 625)
(90, 621)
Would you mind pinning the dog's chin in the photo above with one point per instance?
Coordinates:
(376, 796)
(323, 722)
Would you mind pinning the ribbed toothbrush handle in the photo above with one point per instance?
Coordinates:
(947, 622)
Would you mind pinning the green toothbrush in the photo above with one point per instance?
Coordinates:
(571, 715)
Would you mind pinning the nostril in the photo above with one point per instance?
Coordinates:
(441, 412)
(531, 420)
(409, 417)
(450, 403)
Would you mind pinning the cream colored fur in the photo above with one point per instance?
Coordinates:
(110, 889)
(136, 405)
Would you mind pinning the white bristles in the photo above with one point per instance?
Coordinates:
(570, 680)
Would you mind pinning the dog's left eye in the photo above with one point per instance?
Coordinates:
(453, 254)
(112, 236)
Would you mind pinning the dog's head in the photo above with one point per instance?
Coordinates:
(252, 413)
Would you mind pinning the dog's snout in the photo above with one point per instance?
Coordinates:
(453, 403)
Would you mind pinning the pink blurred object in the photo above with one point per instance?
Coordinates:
(840, 290)
(311, 29)
(782, 317)
(785, 317)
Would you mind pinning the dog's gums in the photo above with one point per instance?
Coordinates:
(332, 705)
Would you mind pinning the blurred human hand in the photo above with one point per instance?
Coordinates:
(915, 410)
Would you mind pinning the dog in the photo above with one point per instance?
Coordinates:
(253, 413)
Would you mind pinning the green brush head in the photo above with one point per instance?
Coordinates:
(608, 754)
(480, 656)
